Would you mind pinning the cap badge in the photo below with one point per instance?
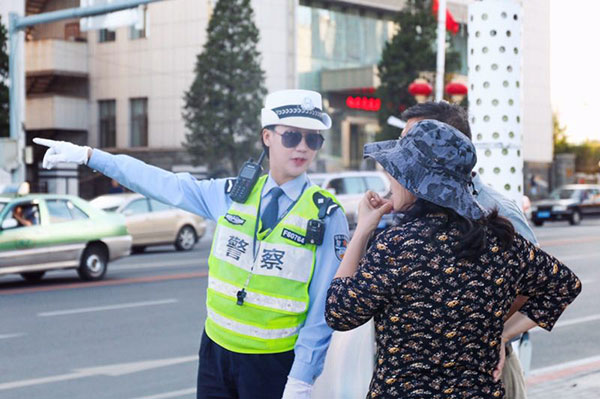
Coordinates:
(307, 104)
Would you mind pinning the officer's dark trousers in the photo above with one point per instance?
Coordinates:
(223, 374)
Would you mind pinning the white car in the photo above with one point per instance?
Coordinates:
(349, 188)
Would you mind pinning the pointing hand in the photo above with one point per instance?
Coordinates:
(62, 151)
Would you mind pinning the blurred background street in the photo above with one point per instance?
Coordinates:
(82, 318)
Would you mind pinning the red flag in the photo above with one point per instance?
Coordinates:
(451, 25)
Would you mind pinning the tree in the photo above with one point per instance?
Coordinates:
(559, 134)
(411, 51)
(587, 154)
(222, 106)
(4, 115)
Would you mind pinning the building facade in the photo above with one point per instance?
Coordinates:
(122, 90)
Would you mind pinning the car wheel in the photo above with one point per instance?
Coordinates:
(93, 263)
(138, 249)
(538, 222)
(33, 276)
(575, 218)
(186, 238)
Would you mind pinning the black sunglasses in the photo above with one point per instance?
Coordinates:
(291, 138)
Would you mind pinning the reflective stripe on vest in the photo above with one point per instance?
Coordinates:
(254, 331)
(255, 298)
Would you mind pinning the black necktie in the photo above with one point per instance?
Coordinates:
(271, 212)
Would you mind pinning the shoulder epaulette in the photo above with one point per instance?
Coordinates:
(325, 204)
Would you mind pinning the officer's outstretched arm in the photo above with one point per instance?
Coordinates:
(203, 197)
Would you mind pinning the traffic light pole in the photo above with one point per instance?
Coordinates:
(16, 25)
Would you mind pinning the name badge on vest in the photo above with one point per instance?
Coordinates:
(235, 219)
(290, 235)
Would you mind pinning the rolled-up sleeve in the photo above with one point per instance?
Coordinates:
(550, 285)
(352, 301)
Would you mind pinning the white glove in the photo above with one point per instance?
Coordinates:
(296, 389)
(62, 151)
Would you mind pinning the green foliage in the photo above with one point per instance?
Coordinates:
(222, 106)
(411, 50)
(4, 115)
(587, 154)
(560, 136)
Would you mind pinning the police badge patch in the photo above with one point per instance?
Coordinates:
(234, 219)
(340, 242)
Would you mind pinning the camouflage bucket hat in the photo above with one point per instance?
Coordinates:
(434, 162)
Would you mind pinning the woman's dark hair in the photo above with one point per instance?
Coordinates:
(268, 127)
(473, 239)
(452, 114)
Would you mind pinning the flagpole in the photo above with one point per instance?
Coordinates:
(441, 50)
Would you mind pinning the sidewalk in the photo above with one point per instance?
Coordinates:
(572, 380)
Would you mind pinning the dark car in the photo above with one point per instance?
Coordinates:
(572, 202)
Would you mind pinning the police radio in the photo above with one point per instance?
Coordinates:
(246, 179)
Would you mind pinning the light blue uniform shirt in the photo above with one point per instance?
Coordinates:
(208, 199)
(490, 199)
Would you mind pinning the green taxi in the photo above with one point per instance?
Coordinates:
(43, 232)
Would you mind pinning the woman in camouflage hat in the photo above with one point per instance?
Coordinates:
(440, 285)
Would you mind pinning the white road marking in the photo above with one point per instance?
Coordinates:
(570, 322)
(158, 265)
(110, 307)
(172, 394)
(587, 256)
(15, 335)
(113, 370)
(564, 366)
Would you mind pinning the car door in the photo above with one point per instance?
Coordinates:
(165, 220)
(594, 207)
(586, 200)
(137, 214)
(20, 245)
(66, 228)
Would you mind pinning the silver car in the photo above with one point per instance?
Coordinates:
(349, 188)
(151, 222)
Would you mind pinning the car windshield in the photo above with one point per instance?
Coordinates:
(2, 205)
(563, 193)
(317, 180)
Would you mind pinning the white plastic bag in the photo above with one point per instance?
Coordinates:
(349, 365)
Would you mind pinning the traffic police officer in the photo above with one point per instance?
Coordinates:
(272, 258)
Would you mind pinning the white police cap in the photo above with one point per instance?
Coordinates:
(296, 108)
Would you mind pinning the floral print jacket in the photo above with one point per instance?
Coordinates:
(439, 319)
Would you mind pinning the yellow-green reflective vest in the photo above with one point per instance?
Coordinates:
(276, 282)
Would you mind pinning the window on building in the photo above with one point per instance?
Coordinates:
(134, 32)
(138, 122)
(108, 123)
(106, 35)
(72, 32)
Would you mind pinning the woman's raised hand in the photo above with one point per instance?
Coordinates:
(370, 210)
